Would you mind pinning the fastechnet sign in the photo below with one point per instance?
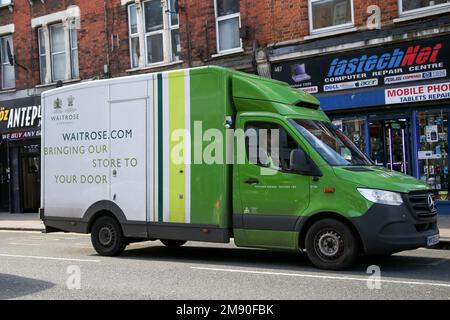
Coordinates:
(20, 119)
(376, 67)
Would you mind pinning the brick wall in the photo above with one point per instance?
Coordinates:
(103, 38)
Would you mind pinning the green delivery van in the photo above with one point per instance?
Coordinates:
(210, 154)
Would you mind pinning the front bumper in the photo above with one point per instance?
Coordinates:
(388, 229)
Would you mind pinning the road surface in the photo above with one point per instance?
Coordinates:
(65, 266)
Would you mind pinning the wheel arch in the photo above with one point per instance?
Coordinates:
(304, 224)
(103, 208)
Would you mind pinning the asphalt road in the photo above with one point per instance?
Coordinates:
(46, 266)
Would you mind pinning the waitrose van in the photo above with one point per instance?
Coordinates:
(209, 154)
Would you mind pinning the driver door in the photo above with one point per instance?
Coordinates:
(271, 196)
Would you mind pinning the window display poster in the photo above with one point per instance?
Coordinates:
(431, 132)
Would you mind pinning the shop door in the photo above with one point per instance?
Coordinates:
(389, 144)
(30, 178)
(4, 179)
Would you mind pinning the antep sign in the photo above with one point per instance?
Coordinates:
(376, 67)
(20, 118)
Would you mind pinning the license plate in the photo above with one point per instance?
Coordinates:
(432, 240)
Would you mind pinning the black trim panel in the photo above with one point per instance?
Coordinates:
(180, 231)
(266, 222)
(65, 224)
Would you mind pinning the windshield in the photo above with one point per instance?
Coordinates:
(330, 143)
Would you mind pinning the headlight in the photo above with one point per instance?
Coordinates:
(381, 196)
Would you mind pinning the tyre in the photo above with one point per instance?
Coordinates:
(173, 243)
(330, 244)
(107, 237)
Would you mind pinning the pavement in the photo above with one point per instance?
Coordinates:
(31, 222)
(20, 221)
(65, 266)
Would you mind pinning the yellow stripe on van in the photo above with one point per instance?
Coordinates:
(177, 179)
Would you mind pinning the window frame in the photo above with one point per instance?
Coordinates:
(172, 28)
(141, 34)
(429, 9)
(73, 31)
(251, 121)
(132, 36)
(223, 18)
(52, 54)
(152, 33)
(42, 55)
(67, 37)
(6, 62)
(343, 26)
(6, 4)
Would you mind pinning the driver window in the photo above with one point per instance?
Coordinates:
(269, 145)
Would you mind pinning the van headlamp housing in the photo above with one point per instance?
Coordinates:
(381, 196)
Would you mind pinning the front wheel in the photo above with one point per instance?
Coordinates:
(331, 244)
(107, 237)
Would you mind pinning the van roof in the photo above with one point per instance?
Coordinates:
(244, 86)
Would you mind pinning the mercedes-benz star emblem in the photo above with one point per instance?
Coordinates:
(431, 203)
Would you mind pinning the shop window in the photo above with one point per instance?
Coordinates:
(327, 15)
(58, 52)
(160, 32)
(228, 21)
(433, 150)
(354, 129)
(413, 6)
(7, 72)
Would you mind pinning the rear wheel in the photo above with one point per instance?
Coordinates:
(107, 237)
(331, 244)
(173, 243)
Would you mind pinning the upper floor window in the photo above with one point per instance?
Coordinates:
(5, 2)
(58, 52)
(154, 25)
(327, 15)
(7, 73)
(228, 22)
(412, 6)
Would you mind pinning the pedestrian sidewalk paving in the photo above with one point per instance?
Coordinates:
(20, 221)
(31, 222)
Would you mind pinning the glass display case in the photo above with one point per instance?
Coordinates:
(433, 150)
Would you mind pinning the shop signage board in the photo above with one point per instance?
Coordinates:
(383, 66)
(422, 93)
(20, 119)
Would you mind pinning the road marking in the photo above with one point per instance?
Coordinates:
(46, 258)
(23, 244)
(447, 285)
(20, 231)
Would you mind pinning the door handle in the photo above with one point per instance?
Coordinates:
(251, 181)
(114, 173)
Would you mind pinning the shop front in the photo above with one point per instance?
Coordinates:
(20, 122)
(393, 101)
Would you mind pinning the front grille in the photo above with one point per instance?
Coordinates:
(419, 204)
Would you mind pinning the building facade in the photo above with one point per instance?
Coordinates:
(379, 68)
(381, 72)
(49, 43)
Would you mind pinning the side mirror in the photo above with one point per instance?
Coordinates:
(301, 163)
